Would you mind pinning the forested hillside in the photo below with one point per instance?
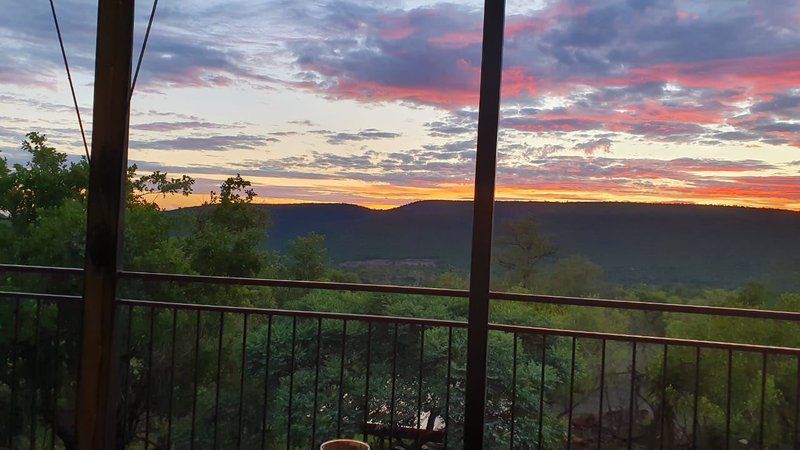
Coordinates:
(633, 243)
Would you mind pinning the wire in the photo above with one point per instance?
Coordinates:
(69, 77)
(144, 46)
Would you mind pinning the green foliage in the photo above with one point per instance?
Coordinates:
(529, 262)
(226, 235)
(156, 184)
(56, 237)
(520, 249)
(307, 258)
(46, 181)
(574, 276)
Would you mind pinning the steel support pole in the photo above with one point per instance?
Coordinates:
(482, 221)
(98, 391)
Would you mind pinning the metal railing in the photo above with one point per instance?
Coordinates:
(749, 313)
(212, 376)
(388, 379)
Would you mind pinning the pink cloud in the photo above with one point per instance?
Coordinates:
(458, 39)
(758, 74)
(394, 28)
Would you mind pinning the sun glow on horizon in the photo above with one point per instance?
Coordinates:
(384, 200)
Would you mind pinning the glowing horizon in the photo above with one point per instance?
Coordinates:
(172, 202)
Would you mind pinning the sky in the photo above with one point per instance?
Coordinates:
(375, 102)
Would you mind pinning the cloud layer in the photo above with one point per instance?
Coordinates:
(637, 99)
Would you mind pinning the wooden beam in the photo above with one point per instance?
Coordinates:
(98, 393)
(482, 222)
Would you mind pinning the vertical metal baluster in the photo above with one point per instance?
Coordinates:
(571, 394)
(541, 390)
(35, 372)
(78, 346)
(216, 380)
(513, 390)
(266, 384)
(196, 375)
(147, 380)
(763, 395)
(394, 379)
(696, 396)
(632, 398)
(171, 376)
(242, 379)
(56, 370)
(728, 401)
(291, 387)
(366, 381)
(602, 392)
(797, 407)
(126, 374)
(316, 386)
(341, 382)
(447, 423)
(419, 385)
(14, 356)
(663, 396)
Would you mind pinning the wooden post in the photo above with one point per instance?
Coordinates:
(482, 222)
(98, 393)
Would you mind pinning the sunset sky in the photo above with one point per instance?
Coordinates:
(374, 102)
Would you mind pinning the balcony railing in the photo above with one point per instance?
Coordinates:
(211, 376)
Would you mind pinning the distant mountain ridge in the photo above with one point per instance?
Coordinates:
(634, 243)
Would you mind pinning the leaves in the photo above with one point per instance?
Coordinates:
(156, 184)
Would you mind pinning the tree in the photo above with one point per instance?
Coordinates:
(156, 184)
(46, 203)
(228, 233)
(520, 248)
(574, 276)
(46, 181)
(307, 258)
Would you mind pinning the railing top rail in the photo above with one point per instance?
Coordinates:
(39, 296)
(301, 284)
(463, 293)
(748, 313)
(295, 313)
(461, 324)
(521, 329)
(40, 269)
(657, 340)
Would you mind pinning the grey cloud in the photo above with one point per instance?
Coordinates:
(783, 104)
(602, 145)
(545, 150)
(178, 126)
(207, 143)
(338, 138)
(735, 136)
